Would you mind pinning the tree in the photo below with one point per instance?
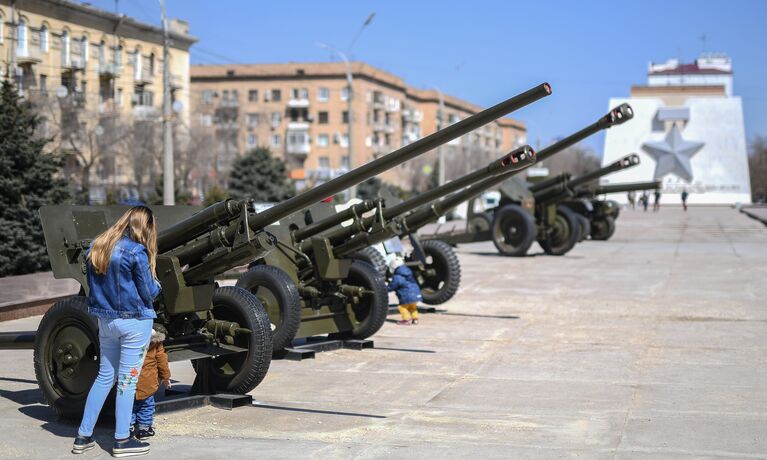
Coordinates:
(576, 161)
(214, 195)
(258, 175)
(28, 180)
(757, 165)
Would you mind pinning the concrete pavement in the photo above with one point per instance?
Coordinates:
(650, 345)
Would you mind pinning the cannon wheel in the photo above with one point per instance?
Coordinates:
(279, 295)
(372, 256)
(241, 372)
(370, 313)
(513, 230)
(585, 225)
(564, 233)
(444, 284)
(66, 356)
(603, 229)
(480, 222)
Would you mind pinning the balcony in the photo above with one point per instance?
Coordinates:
(298, 125)
(297, 142)
(109, 69)
(299, 149)
(143, 75)
(28, 57)
(72, 62)
(412, 116)
(298, 103)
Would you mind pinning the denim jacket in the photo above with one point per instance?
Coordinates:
(128, 288)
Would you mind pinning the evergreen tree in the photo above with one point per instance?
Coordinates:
(28, 180)
(258, 175)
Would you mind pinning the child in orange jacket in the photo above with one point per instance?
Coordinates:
(154, 371)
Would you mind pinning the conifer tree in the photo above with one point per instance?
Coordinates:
(28, 180)
(258, 175)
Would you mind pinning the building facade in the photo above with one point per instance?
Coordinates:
(688, 131)
(301, 112)
(96, 76)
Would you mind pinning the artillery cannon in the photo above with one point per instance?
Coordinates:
(226, 331)
(561, 190)
(518, 220)
(601, 214)
(302, 284)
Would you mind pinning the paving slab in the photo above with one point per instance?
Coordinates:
(651, 345)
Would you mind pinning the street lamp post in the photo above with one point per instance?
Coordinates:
(440, 150)
(168, 192)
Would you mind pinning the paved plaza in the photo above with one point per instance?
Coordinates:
(650, 345)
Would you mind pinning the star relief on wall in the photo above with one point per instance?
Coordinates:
(673, 154)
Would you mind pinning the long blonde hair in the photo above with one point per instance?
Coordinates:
(137, 224)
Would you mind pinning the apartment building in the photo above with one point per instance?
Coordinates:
(88, 70)
(301, 112)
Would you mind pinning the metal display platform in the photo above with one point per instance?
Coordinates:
(307, 348)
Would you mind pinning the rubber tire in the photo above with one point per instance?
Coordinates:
(369, 320)
(572, 238)
(372, 256)
(481, 222)
(63, 402)
(585, 224)
(236, 304)
(282, 289)
(525, 225)
(603, 229)
(443, 257)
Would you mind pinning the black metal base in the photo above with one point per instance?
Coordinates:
(201, 393)
(313, 345)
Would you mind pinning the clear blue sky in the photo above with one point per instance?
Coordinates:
(485, 51)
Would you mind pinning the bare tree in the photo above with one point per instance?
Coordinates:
(576, 160)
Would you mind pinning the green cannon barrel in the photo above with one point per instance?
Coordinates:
(198, 224)
(194, 252)
(566, 188)
(325, 224)
(550, 182)
(516, 159)
(620, 188)
(421, 217)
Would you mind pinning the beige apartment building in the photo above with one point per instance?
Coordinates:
(301, 112)
(95, 76)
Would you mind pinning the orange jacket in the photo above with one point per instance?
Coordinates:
(155, 369)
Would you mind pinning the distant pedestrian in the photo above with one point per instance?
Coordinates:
(403, 283)
(154, 371)
(632, 199)
(645, 198)
(121, 276)
(684, 199)
(656, 203)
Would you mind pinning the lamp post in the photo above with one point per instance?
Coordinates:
(349, 110)
(440, 150)
(168, 192)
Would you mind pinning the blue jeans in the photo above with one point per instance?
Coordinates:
(123, 346)
(143, 413)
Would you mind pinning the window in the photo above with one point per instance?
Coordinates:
(137, 64)
(252, 119)
(276, 95)
(252, 140)
(102, 54)
(324, 163)
(22, 44)
(151, 64)
(344, 140)
(267, 95)
(323, 94)
(253, 95)
(345, 117)
(2, 29)
(206, 119)
(345, 162)
(387, 139)
(235, 95)
(65, 48)
(84, 49)
(276, 140)
(276, 118)
(119, 97)
(118, 56)
(43, 84)
(323, 140)
(322, 118)
(44, 38)
(207, 96)
(345, 94)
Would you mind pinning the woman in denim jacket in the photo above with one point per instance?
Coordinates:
(121, 277)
